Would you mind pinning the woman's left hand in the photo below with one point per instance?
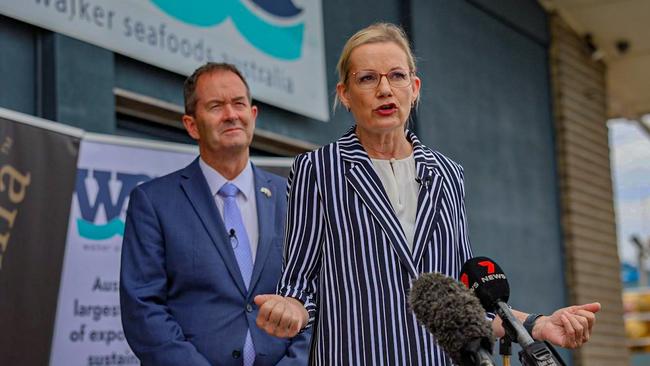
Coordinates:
(568, 327)
(280, 316)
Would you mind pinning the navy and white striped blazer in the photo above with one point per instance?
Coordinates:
(347, 258)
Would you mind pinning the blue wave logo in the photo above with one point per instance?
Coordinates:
(93, 231)
(278, 40)
(86, 225)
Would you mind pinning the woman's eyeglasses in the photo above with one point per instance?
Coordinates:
(369, 79)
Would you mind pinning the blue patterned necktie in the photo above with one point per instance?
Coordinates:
(241, 246)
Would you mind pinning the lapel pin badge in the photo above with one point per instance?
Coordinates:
(266, 192)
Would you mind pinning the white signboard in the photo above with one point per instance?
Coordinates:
(88, 329)
(277, 44)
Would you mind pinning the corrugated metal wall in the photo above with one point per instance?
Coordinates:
(588, 223)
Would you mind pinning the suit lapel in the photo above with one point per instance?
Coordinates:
(265, 222)
(429, 197)
(364, 180)
(198, 193)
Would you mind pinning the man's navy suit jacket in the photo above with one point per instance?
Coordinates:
(182, 295)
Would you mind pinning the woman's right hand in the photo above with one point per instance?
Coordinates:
(281, 316)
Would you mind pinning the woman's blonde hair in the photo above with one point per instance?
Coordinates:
(375, 33)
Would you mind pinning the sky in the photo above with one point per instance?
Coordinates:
(630, 158)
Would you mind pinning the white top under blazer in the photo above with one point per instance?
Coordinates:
(399, 181)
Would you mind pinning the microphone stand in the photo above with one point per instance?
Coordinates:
(533, 353)
(505, 349)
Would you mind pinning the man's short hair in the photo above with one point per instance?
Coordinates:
(189, 87)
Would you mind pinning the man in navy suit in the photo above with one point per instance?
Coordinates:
(201, 242)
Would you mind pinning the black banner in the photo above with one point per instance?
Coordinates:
(37, 178)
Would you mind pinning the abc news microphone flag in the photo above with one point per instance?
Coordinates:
(37, 175)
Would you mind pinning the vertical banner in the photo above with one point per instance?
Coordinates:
(37, 173)
(88, 328)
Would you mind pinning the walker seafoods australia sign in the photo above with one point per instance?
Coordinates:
(277, 44)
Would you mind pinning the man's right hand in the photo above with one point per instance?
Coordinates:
(281, 316)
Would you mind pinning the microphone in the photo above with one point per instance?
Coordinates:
(234, 242)
(455, 318)
(426, 181)
(490, 285)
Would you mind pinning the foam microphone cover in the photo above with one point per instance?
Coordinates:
(451, 313)
(483, 276)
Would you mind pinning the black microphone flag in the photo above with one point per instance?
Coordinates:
(490, 285)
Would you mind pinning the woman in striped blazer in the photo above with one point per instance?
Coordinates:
(370, 212)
